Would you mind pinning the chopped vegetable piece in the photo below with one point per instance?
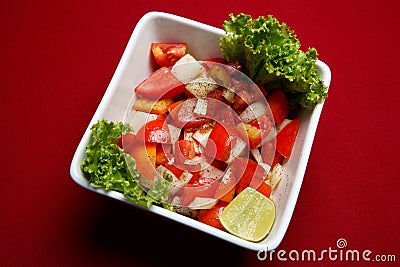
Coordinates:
(155, 131)
(279, 105)
(174, 105)
(161, 84)
(226, 190)
(265, 189)
(203, 187)
(167, 54)
(145, 156)
(211, 216)
(153, 106)
(286, 138)
(248, 173)
(220, 143)
(184, 150)
(242, 100)
(200, 87)
(187, 69)
(183, 115)
(269, 154)
(161, 157)
(275, 176)
(253, 135)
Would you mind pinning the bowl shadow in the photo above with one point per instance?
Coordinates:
(136, 235)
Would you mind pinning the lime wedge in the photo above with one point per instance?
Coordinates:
(250, 215)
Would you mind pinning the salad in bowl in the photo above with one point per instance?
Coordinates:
(218, 138)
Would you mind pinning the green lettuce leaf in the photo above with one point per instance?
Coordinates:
(270, 54)
(159, 193)
(108, 167)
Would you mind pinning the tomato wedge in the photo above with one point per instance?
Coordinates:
(279, 105)
(211, 216)
(220, 143)
(203, 187)
(145, 157)
(248, 173)
(167, 54)
(155, 131)
(184, 149)
(265, 189)
(175, 170)
(226, 189)
(286, 138)
(269, 154)
(183, 115)
(160, 85)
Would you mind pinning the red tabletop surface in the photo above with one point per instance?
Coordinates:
(57, 59)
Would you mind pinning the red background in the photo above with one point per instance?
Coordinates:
(57, 59)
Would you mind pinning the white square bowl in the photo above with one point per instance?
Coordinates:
(203, 42)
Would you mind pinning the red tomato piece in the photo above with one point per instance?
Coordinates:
(203, 187)
(183, 115)
(160, 85)
(265, 189)
(267, 152)
(278, 158)
(184, 149)
(286, 138)
(270, 155)
(262, 123)
(175, 170)
(155, 131)
(167, 54)
(145, 157)
(219, 143)
(201, 181)
(216, 163)
(279, 105)
(218, 108)
(195, 178)
(188, 167)
(211, 216)
(248, 173)
(187, 148)
(226, 189)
